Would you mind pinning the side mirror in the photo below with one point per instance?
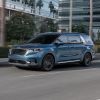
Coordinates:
(83, 43)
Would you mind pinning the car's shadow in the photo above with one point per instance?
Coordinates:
(67, 67)
(75, 66)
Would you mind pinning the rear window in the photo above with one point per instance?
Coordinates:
(88, 40)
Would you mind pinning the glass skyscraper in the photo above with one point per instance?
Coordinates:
(80, 13)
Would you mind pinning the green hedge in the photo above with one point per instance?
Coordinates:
(4, 52)
(98, 50)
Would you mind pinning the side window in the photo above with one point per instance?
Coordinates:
(62, 38)
(74, 39)
(88, 40)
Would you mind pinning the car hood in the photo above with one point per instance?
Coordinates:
(31, 45)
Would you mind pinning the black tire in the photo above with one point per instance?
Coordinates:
(48, 63)
(19, 67)
(87, 59)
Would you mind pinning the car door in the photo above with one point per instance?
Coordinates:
(62, 49)
(75, 47)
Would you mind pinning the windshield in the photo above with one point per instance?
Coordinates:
(44, 39)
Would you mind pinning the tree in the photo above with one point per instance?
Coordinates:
(98, 35)
(20, 26)
(55, 12)
(39, 5)
(24, 2)
(79, 28)
(51, 7)
(48, 25)
(32, 4)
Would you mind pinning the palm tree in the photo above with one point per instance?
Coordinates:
(55, 12)
(24, 2)
(51, 7)
(31, 3)
(40, 5)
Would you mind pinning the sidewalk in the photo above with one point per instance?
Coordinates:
(97, 56)
(4, 61)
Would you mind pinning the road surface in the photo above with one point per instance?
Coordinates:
(66, 82)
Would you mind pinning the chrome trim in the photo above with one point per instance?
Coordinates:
(17, 64)
(68, 61)
(24, 65)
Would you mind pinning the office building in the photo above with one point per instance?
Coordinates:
(80, 11)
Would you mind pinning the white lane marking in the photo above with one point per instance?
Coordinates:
(97, 99)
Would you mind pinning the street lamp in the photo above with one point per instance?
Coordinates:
(91, 18)
(2, 21)
(70, 17)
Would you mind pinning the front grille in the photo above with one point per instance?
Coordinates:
(18, 51)
(17, 61)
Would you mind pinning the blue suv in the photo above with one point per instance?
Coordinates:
(49, 49)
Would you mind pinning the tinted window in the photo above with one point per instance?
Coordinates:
(74, 39)
(44, 39)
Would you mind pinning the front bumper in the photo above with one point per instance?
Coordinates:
(22, 63)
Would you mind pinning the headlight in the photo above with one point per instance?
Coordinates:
(37, 49)
(10, 51)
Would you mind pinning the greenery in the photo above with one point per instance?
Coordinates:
(19, 27)
(39, 5)
(97, 47)
(98, 50)
(52, 8)
(4, 52)
(48, 25)
(79, 28)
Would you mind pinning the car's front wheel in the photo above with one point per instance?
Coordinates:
(48, 62)
(87, 59)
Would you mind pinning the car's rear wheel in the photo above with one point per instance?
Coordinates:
(87, 59)
(48, 62)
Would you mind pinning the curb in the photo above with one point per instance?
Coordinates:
(4, 64)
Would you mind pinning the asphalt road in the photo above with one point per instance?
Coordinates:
(67, 82)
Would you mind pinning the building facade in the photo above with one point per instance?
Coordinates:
(30, 7)
(80, 13)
